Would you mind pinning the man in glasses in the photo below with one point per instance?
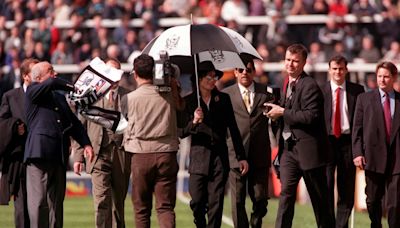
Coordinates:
(247, 98)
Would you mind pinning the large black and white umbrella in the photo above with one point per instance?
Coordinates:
(189, 44)
(208, 41)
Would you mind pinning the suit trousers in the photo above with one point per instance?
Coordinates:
(154, 173)
(45, 182)
(375, 190)
(207, 192)
(342, 162)
(21, 214)
(256, 184)
(110, 180)
(316, 183)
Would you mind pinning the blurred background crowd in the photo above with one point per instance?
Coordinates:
(74, 31)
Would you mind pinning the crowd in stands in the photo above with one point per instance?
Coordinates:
(77, 44)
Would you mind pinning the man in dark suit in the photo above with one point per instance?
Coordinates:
(248, 98)
(340, 99)
(50, 123)
(12, 123)
(376, 145)
(304, 143)
(110, 185)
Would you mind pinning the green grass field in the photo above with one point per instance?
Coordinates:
(78, 213)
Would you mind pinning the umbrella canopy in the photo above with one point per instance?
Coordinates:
(208, 41)
(242, 45)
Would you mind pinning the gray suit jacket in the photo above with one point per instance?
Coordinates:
(95, 132)
(253, 128)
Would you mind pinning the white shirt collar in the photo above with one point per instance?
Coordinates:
(250, 88)
(334, 86)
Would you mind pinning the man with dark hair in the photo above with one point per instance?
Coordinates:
(50, 123)
(110, 169)
(303, 144)
(151, 137)
(13, 125)
(376, 145)
(340, 98)
(247, 98)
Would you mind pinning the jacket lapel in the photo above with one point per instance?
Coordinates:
(378, 110)
(396, 117)
(328, 106)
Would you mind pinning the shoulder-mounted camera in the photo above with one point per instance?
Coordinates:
(163, 72)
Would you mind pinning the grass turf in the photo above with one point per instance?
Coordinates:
(78, 212)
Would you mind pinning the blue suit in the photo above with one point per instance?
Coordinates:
(50, 123)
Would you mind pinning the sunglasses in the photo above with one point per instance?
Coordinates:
(210, 78)
(248, 70)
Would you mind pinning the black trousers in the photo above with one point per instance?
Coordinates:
(316, 182)
(342, 162)
(376, 185)
(207, 192)
(255, 183)
(21, 215)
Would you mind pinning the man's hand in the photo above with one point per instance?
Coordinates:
(244, 167)
(198, 116)
(275, 111)
(359, 162)
(78, 167)
(88, 152)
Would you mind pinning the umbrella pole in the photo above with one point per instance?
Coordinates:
(197, 80)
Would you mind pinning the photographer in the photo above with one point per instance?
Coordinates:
(152, 139)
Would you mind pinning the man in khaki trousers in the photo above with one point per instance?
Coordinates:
(110, 169)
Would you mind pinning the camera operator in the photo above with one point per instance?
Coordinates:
(152, 139)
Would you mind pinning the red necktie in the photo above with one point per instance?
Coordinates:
(388, 116)
(337, 129)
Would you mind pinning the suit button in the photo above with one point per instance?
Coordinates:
(58, 121)
(56, 108)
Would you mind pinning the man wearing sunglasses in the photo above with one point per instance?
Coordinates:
(247, 98)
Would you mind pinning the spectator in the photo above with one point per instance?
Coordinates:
(13, 40)
(369, 53)
(42, 34)
(61, 11)
(389, 28)
(232, 9)
(393, 54)
(119, 33)
(112, 10)
(62, 55)
(129, 46)
(329, 34)
(363, 8)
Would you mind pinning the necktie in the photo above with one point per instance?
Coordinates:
(246, 100)
(286, 133)
(388, 117)
(337, 130)
(111, 97)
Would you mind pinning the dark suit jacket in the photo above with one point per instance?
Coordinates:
(352, 91)
(369, 137)
(51, 122)
(305, 116)
(209, 137)
(253, 128)
(11, 144)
